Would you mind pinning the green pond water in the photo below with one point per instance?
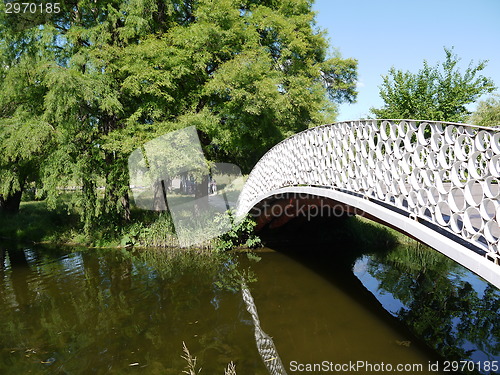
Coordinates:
(65, 311)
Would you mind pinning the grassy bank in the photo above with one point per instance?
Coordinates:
(36, 222)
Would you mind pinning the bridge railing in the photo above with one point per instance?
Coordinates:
(443, 174)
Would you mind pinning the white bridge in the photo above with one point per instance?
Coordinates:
(435, 181)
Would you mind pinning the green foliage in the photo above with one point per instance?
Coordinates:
(487, 113)
(172, 264)
(155, 231)
(92, 83)
(234, 277)
(438, 93)
(240, 235)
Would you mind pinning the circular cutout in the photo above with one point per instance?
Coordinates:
(415, 179)
(482, 140)
(456, 223)
(385, 130)
(473, 193)
(436, 141)
(381, 189)
(442, 179)
(446, 156)
(412, 199)
(394, 188)
(422, 197)
(491, 231)
(437, 128)
(433, 195)
(495, 143)
(464, 147)
(478, 165)
(403, 128)
(491, 187)
(427, 177)
(459, 174)
(443, 213)
(488, 208)
(472, 220)
(432, 161)
(456, 199)
(373, 140)
(406, 163)
(426, 212)
(450, 134)
(388, 162)
(398, 148)
(383, 148)
(410, 141)
(404, 187)
(371, 159)
(424, 133)
(420, 156)
(495, 166)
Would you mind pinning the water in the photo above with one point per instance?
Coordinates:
(65, 311)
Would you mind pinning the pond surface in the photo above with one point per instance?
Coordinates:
(65, 311)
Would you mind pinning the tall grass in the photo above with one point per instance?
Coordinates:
(191, 368)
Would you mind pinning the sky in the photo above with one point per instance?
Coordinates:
(403, 33)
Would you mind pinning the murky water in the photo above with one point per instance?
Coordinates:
(113, 312)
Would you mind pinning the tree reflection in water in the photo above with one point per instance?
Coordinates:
(453, 310)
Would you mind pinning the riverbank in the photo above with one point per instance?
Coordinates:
(37, 223)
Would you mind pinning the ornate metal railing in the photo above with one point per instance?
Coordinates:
(445, 175)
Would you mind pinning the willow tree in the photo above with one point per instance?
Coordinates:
(110, 75)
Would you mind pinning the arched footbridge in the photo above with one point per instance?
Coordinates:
(435, 181)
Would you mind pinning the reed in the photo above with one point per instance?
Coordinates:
(191, 368)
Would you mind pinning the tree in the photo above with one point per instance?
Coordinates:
(24, 136)
(487, 113)
(438, 93)
(103, 77)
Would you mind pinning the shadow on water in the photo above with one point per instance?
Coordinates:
(451, 313)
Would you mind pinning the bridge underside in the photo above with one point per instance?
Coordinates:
(277, 210)
(278, 207)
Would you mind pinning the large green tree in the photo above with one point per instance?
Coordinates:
(440, 92)
(100, 78)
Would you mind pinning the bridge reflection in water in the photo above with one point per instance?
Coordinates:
(435, 181)
(265, 344)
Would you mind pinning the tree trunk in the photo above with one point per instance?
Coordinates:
(201, 193)
(11, 204)
(160, 202)
(125, 199)
(2, 260)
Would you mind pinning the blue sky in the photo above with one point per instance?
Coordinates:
(402, 33)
